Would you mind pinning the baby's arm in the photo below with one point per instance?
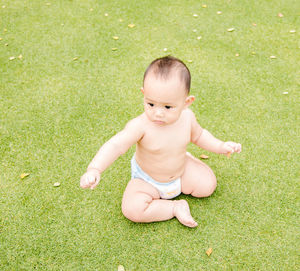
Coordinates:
(204, 139)
(110, 151)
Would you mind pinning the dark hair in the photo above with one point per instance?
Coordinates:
(164, 66)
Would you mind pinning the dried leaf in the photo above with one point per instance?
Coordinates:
(209, 251)
(12, 58)
(230, 29)
(131, 25)
(237, 54)
(204, 6)
(203, 156)
(121, 268)
(23, 175)
(114, 49)
(75, 58)
(56, 184)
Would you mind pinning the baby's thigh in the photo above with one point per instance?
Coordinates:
(198, 179)
(137, 196)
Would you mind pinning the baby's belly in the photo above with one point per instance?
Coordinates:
(162, 168)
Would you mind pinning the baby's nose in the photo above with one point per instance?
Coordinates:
(159, 112)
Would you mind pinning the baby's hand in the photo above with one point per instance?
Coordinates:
(90, 179)
(231, 147)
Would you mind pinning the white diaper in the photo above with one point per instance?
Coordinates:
(166, 190)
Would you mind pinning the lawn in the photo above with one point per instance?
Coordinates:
(70, 73)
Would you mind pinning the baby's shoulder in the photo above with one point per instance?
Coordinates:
(188, 114)
(137, 122)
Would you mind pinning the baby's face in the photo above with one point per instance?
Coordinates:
(164, 100)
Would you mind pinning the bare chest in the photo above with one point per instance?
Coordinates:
(168, 139)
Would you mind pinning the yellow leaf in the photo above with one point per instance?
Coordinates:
(273, 57)
(204, 6)
(230, 29)
(56, 184)
(209, 251)
(219, 12)
(115, 38)
(20, 56)
(12, 58)
(131, 25)
(203, 156)
(23, 175)
(114, 49)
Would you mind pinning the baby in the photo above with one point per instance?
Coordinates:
(161, 168)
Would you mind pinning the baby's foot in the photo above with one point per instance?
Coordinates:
(182, 213)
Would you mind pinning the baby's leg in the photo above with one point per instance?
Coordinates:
(141, 203)
(198, 179)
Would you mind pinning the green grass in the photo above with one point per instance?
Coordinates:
(55, 112)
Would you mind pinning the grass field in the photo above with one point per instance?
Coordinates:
(67, 86)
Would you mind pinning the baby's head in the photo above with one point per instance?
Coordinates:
(166, 67)
(166, 87)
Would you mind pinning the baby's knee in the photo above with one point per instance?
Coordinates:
(131, 210)
(211, 186)
(207, 188)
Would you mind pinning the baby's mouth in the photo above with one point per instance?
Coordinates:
(160, 122)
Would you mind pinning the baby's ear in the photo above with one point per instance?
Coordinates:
(189, 100)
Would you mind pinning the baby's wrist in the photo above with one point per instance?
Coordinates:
(93, 169)
(222, 150)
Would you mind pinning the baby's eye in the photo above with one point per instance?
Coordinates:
(150, 104)
(168, 106)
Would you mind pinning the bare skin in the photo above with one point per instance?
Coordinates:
(161, 135)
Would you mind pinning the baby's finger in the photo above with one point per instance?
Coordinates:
(91, 180)
(84, 182)
(96, 183)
